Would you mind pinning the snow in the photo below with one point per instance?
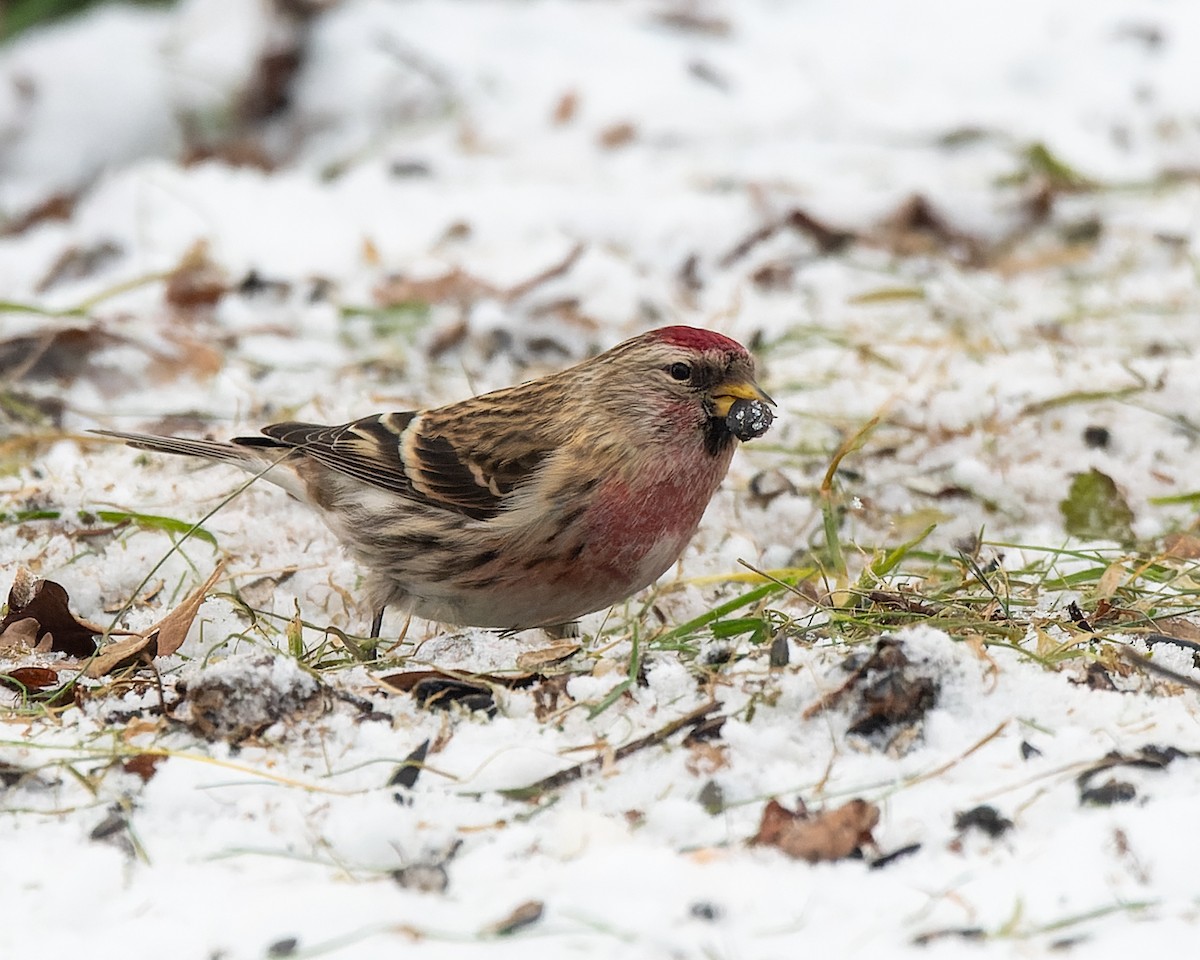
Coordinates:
(421, 138)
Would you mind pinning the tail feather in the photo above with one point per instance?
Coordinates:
(253, 456)
(206, 449)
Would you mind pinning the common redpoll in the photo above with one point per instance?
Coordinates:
(528, 506)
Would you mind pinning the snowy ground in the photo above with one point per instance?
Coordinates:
(462, 195)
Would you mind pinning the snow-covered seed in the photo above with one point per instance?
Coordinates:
(748, 419)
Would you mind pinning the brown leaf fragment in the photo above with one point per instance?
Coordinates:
(617, 135)
(552, 272)
(117, 653)
(706, 758)
(829, 835)
(145, 765)
(196, 281)
(29, 678)
(565, 109)
(1181, 546)
(687, 18)
(20, 634)
(917, 228)
(827, 239)
(447, 339)
(555, 653)
(456, 286)
(57, 206)
(47, 603)
(527, 914)
(172, 630)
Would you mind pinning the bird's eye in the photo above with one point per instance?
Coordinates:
(680, 371)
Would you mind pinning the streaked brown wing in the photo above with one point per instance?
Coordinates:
(426, 466)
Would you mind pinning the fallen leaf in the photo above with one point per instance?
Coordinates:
(565, 109)
(617, 135)
(143, 764)
(115, 654)
(29, 678)
(196, 281)
(57, 206)
(829, 835)
(525, 915)
(166, 636)
(706, 758)
(172, 629)
(1181, 546)
(47, 603)
(551, 654)
(20, 633)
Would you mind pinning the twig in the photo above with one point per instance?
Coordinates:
(580, 770)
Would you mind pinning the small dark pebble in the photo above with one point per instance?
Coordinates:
(1105, 795)
(748, 419)
(423, 877)
(712, 798)
(984, 818)
(703, 910)
(283, 948)
(410, 169)
(1097, 438)
(1028, 750)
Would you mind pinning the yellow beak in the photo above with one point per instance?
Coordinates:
(725, 395)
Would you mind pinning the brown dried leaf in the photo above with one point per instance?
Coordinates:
(197, 281)
(551, 654)
(528, 913)
(1181, 546)
(191, 358)
(617, 135)
(57, 206)
(706, 758)
(917, 228)
(829, 835)
(173, 629)
(455, 286)
(20, 633)
(143, 764)
(565, 109)
(30, 678)
(115, 654)
(47, 603)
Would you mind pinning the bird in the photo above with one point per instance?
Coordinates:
(529, 506)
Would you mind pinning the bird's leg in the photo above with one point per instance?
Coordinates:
(377, 623)
(563, 631)
(403, 634)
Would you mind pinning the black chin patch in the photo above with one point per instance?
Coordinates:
(717, 437)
